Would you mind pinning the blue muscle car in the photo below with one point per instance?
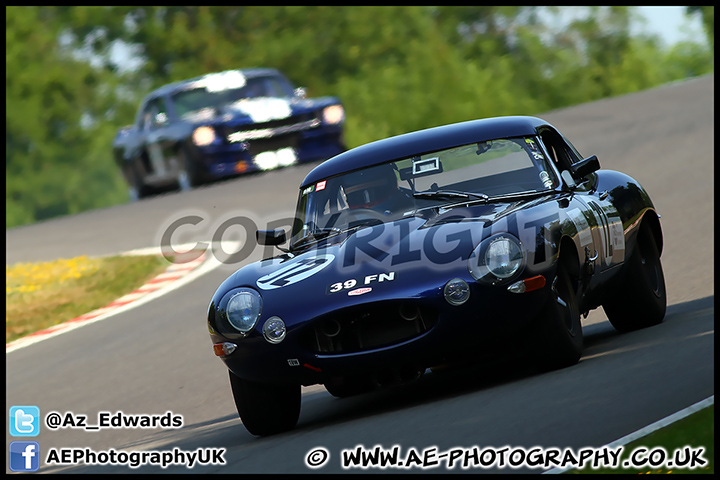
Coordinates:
(223, 124)
(435, 248)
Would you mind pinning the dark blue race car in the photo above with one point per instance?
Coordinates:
(434, 248)
(223, 124)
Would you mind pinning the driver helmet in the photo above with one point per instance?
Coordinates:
(370, 187)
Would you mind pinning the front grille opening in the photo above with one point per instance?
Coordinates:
(274, 143)
(366, 328)
(272, 128)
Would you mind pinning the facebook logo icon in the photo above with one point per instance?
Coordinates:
(24, 421)
(24, 456)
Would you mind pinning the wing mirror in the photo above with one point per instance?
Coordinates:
(585, 167)
(270, 237)
(160, 119)
(300, 93)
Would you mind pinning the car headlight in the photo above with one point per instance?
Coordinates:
(243, 310)
(203, 136)
(456, 291)
(497, 259)
(333, 114)
(274, 330)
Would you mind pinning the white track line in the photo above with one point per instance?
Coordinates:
(649, 429)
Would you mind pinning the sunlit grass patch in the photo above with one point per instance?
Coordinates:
(40, 295)
(695, 432)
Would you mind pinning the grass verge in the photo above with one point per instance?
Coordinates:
(675, 444)
(40, 295)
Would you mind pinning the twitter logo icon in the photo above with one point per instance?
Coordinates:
(24, 421)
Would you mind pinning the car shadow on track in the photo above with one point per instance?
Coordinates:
(599, 339)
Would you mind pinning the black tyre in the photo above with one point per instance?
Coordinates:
(640, 299)
(189, 174)
(136, 188)
(556, 337)
(266, 409)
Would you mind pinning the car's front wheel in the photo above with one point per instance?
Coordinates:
(189, 175)
(640, 299)
(556, 336)
(136, 188)
(266, 409)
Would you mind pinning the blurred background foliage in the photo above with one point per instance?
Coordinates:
(74, 75)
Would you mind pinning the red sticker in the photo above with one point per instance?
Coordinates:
(359, 291)
(320, 186)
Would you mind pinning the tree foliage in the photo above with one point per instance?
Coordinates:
(396, 68)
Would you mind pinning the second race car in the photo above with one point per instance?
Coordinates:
(222, 124)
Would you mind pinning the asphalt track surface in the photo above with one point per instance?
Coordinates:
(158, 358)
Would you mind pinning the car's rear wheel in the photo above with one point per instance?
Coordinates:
(556, 337)
(266, 409)
(640, 300)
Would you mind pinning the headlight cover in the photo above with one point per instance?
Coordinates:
(456, 291)
(242, 311)
(203, 136)
(497, 259)
(333, 114)
(274, 330)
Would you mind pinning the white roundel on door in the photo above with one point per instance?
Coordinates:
(295, 271)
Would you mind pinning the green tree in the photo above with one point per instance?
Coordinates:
(396, 69)
(707, 16)
(51, 144)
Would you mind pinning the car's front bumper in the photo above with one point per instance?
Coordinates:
(490, 320)
(229, 159)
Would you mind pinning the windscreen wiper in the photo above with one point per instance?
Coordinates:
(450, 194)
(316, 235)
(475, 197)
(321, 233)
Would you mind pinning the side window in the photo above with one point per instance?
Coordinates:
(278, 87)
(550, 149)
(562, 154)
(572, 151)
(147, 116)
(154, 114)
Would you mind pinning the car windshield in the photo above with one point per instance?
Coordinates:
(387, 192)
(206, 94)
